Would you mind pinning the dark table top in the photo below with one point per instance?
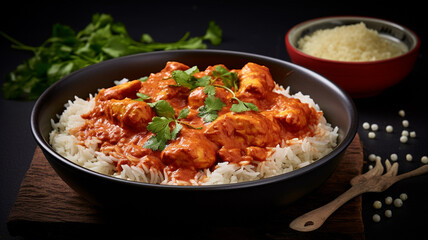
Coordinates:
(255, 27)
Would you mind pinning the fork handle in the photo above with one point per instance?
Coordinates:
(315, 218)
(416, 172)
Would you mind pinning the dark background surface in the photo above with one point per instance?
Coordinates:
(254, 27)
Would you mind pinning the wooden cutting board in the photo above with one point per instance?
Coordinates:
(47, 208)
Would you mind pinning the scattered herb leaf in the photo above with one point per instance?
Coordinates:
(209, 112)
(143, 79)
(209, 90)
(160, 125)
(142, 97)
(183, 113)
(243, 106)
(230, 79)
(163, 109)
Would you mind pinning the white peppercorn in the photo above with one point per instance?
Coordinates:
(366, 125)
(388, 213)
(372, 157)
(388, 200)
(376, 218)
(377, 204)
(398, 202)
(405, 123)
(403, 196)
(424, 159)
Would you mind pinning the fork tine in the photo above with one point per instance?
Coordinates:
(387, 165)
(392, 171)
(377, 170)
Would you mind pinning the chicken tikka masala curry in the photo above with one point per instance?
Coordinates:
(181, 120)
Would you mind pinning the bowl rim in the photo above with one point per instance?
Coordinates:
(294, 48)
(340, 148)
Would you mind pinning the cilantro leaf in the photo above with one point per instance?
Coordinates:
(184, 79)
(203, 81)
(160, 125)
(176, 130)
(192, 70)
(155, 143)
(209, 112)
(183, 113)
(142, 97)
(214, 33)
(209, 90)
(143, 79)
(243, 106)
(230, 79)
(163, 109)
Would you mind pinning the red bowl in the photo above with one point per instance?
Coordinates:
(359, 79)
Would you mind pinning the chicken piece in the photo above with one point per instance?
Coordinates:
(126, 112)
(161, 86)
(134, 114)
(256, 153)
(240, 130)
(255, 81)
(242, 155)
(191, 150)
(196, 98)
(126, 90)
(171, 67)
(293, 114)
(233, 155)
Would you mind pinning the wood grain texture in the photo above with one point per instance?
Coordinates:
(46, 207)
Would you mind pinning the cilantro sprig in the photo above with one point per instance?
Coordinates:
(142, 97)
(241, 106)
(160, 125)
(186, 78)
(209, 112)
(67, 51)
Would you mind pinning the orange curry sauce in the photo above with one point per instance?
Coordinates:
(120, 122)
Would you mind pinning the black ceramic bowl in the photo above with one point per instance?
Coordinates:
(109, 191)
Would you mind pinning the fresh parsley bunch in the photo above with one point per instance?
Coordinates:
(66, 51)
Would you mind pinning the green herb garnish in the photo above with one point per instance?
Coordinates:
(67, 51)
(142, 97)
(209, 112)
(160, 125)
(186, 78)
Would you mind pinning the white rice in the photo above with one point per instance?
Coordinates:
(286, 157)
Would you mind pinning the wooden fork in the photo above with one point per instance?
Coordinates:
(371, 181)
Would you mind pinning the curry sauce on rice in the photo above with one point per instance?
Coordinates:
(184, 126)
